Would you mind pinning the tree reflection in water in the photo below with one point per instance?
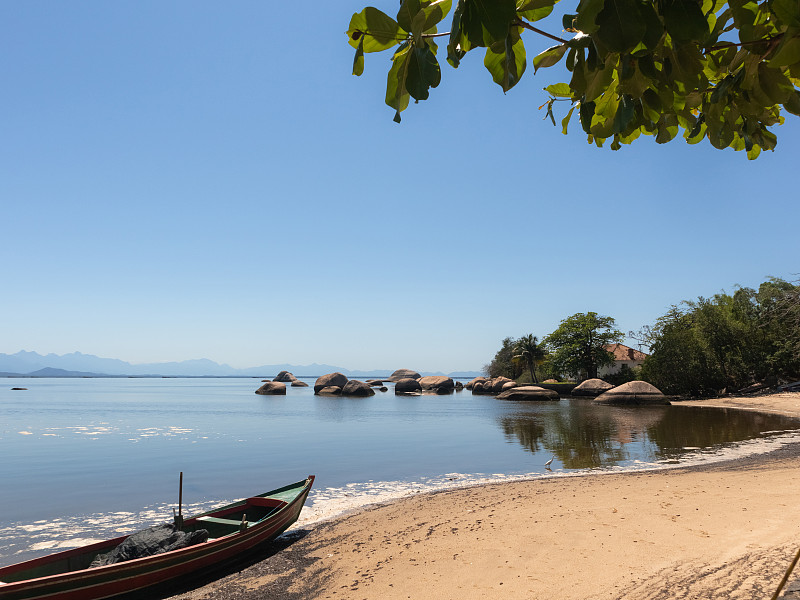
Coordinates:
(583, 435)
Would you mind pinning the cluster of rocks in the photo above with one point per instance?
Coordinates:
(410, 383)
(406, 382)
(337, 384)
(508, 389)
(277, 387)
(631, 393)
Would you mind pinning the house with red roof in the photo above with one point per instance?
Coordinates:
(623, 355)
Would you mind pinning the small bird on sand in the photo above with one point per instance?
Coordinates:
(549, 462)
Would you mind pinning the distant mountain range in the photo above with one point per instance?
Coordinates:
(76, 364)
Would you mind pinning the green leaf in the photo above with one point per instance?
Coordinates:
(565, 121)
(587, 13)
(559, 90)
(654, 30)
(483, 22)
(793, 103)
(774, 84)
(625, 114)
(397, 95)
(787, 11)
(455, 52)
(378, 30)
(684, 20)
(408, 10)
(599, 80)
(506, 60)
(534, 10)
(667, 129)
(586, 112)
(418, 16)
(549, 57)
(620, 25)
(423, 72)
(358, 61)
(787, 53)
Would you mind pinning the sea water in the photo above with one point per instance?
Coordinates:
(84, 459)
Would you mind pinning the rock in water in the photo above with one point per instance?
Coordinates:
(633, 393)
(272, 388)
(357, 388)
(528, 392)
(335, 379)
(591, 387)
(404, 374)
(407, 386)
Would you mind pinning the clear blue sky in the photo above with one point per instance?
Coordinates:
(203, 179)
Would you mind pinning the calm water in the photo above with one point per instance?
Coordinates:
(88, 458)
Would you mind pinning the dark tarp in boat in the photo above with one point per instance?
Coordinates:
(154, 540)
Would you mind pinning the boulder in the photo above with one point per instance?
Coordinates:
(404, 374)
(407, 386)
(375, 382)
(285, 376)
(633, 393)
(357, 388)
(498, 383)
(528, 392)
(591, 387)
(330, 390)
(336, 379)
(383, 388)
(298, 383)
(509, 385)
(482, 387)
(472, 383)
(272, 388)
(550, 381)
(437, 383)
(459, 386)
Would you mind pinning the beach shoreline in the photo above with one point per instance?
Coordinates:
(720, 530)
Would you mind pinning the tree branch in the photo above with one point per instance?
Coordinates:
(527, 25)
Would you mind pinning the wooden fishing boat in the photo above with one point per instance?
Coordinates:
(233, 531)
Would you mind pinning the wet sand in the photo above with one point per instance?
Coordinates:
(724, 530)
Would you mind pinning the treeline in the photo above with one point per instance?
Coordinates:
(726, 343)
(700, 347)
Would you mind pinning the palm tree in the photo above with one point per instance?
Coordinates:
(528, 349)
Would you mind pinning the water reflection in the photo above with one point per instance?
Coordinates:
(583, 435)
(684, 426)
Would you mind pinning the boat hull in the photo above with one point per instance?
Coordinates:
(135, 575)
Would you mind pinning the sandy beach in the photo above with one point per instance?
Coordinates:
(725, 530)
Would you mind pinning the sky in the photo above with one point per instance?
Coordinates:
(185, 180)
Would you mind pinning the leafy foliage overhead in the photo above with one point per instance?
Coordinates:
(715, 69)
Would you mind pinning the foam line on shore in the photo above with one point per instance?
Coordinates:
(329, 503)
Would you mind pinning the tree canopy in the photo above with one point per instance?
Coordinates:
(729, 341)
(578, 345)
(721, 70)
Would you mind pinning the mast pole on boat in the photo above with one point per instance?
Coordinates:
(179, 518)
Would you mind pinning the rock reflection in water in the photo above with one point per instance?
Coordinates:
(584, 436)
